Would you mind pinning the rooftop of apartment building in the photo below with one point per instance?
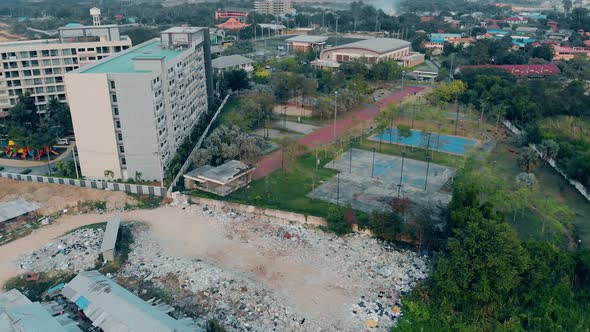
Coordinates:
(123, 62)
(73, 34)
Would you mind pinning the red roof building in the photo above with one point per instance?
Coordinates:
(232, 24)
(547, 69)
(517, 20)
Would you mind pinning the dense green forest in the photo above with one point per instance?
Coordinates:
(488, 280)
(528, 103)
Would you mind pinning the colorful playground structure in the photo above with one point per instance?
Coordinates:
(12, 151)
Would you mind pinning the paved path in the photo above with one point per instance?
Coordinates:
(272, 162)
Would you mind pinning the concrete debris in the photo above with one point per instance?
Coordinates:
(369, 272)
(75, 251)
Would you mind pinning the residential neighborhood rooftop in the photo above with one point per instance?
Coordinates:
(307, 39)
(230, 61)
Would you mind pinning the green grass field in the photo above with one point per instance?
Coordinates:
(287, 191)
(553, 187)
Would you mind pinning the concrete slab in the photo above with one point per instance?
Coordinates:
(355, 186)
(297, 127)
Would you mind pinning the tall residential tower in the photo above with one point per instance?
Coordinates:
(38, 66)
(133, 110)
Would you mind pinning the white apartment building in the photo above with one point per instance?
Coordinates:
(274, 7)
(38, 66)
(134, 109)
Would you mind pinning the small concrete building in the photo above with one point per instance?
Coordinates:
(307, 43)
(232, 62)
(109, 241)
(112, 308)
(221, 180)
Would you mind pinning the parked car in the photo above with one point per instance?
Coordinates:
(63, 141)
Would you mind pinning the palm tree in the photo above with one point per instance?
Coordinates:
(528, 159)
(109, 174)
(549, 149)
(499, 111)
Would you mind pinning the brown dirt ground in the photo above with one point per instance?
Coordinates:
(56, 197)
(6, 35)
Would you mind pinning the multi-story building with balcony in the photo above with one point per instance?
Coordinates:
(38, 66)
(134, 109)
(274, 7)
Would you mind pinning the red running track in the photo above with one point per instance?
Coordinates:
(272, 162)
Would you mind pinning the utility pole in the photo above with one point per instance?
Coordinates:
(338, 189)
(75, 161)
(335, 111)
(401, 175)
(350, 158)
(373, 164)
(451, 73)
(457, 115)
(427, 162)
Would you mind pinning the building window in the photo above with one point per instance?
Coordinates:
(116, 111)
(121, 149)
(118, 124)
(114, 98)
(112, 84)
(123, 161)
(120, 136)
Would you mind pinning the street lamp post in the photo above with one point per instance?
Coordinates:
(403, 76)
(335, 111)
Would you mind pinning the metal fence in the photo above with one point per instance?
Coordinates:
(187, 162)
(92, 184)
(579, 187)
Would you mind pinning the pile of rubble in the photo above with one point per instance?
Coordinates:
(75, 251)
(238, 302)
(369, 274)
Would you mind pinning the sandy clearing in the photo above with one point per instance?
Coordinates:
(310, 288)
(55, 197)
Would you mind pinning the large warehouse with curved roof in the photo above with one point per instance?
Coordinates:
(374, 50)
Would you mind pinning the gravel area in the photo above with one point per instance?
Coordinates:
(74, 252)
(317, 281)
(250, 274)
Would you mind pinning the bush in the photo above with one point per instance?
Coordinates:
(336, 222)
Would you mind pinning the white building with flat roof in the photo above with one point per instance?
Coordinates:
(38, 66)
(274, 7)
(133, 110)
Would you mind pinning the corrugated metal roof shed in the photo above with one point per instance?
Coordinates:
(113, 308)
(13, 209)
(18, 313)
(110, 234)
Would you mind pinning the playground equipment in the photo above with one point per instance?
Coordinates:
(12, 151)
